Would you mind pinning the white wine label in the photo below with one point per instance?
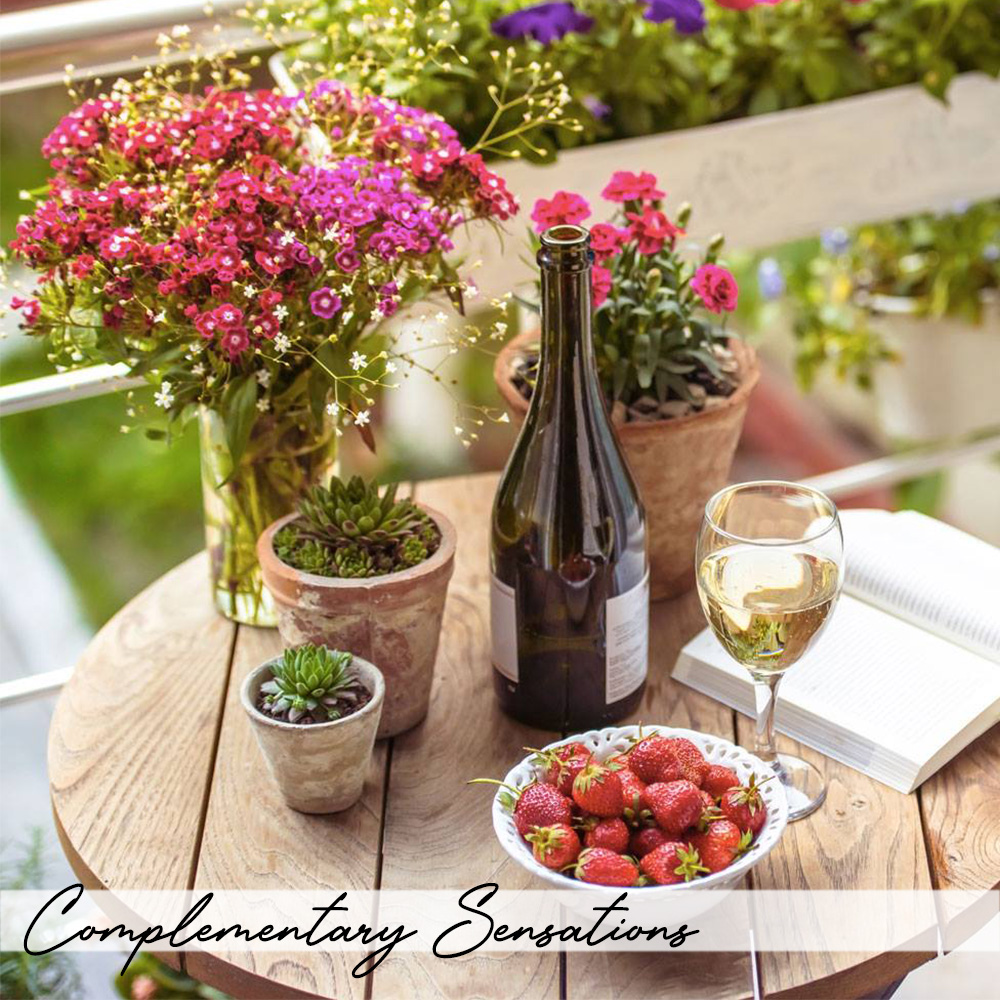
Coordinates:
(503, 628)
(627, 628)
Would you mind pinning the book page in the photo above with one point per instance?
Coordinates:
(927, 573)
(872, 680)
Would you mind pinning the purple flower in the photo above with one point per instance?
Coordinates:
(324, 302)
(545, 22)
(688, 15)
(770, 279)
(596, 107)
(835, 241)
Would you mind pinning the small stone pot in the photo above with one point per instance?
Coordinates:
(392, 620)
(677, 464)
(318, 768)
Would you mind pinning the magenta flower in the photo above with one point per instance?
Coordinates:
(325, 302)
(601, 284)
(651, 230)
(563, 207)
(626, 186)
(716, 287)
(606, 240)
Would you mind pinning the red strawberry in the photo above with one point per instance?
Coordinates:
(562, 764)
(541, 805)
(603, 867)
(647, 839)
(554, 846)
(717, 779)
(721, 844)
(675, 804)
(693, 765)
(651, 756)
(707, 799)
(745, 806)
(671, 863)
(598, 790)
(611, 834)
(634, 796)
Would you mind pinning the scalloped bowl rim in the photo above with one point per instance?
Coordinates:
(613, 739)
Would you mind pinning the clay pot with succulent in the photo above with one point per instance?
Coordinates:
(361, 569)
(315, 712)
(675, 383)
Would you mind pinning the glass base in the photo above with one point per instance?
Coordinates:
(247, 609)
(804, 785)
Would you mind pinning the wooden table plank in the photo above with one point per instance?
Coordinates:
(253, 841)
(130, 751)
(438, 832)
(667, 974)
(864, 836)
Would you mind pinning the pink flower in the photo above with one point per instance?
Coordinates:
(29, 309)
(651, 230)
(564, 207)
(324, 302)
(228, 317)
(606, 240)
(626, 186)
(716, 288)
(737, 4)
(601, 279)
(235, 342)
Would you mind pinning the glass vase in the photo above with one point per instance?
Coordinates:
(279, 463)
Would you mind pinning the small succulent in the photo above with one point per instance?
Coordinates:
(310, 681)
(351, 530)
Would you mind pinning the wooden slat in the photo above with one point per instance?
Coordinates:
(253, 841)
(668, 974)
(130, 748)
(438, 832)
(864, 836)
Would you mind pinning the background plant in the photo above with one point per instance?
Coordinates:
(636, 67)
(352, 530)
(931, 264)
(655, 328)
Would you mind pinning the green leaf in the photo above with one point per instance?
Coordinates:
(819, 75)
(239, 413)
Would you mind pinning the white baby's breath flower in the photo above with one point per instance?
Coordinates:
(280, 312)
(501, 329)
(390, 368)
(264, 377)
(281, 343)
(180, 31)
(263, 404)
(362, 417)
(441, 317)
(163, 397)
(198, 369)
(358, 361)
(287, 240)
(377, 314)
(333, 409)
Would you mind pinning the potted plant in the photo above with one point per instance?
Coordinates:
(675, 384)
(199, 238)
(315, 712)
(909, 308)
(362, 570)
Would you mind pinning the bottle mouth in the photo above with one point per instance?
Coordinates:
(566, 236)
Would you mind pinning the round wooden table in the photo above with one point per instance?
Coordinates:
(157, 783)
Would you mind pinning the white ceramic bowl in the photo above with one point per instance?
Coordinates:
(605, 743)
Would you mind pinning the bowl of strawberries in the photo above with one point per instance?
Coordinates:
(660, 807)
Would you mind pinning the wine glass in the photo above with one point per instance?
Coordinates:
(770, 562)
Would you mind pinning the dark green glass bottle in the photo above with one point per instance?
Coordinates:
(570, 581)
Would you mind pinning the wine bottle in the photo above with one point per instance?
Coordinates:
(569, 595)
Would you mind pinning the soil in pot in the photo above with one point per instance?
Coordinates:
(347, 704)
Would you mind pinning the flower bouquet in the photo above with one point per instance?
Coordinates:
(205, 239)
(675, 384)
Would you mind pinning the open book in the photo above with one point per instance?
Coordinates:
(907, 672)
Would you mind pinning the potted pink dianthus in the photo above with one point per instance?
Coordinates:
(675, 383)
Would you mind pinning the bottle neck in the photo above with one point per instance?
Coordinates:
(567, 369)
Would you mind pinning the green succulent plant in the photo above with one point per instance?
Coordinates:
(310, 682)
(352, 530)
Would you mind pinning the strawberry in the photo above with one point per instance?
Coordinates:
(707, 799)
(647, 839)
(675, 804)
(745, 806)
(598, 789)
(651, 757)
(611, 834)
(634, 796)
(692, 764)
(671, 863)
(534, 805)
(554, 846)
(562, 764)
(721, 844)
(717, 779)
(604, 867)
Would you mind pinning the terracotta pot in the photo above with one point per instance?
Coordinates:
(394, 620)
(319, 768)
(677, 464)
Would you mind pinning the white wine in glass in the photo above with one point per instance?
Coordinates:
(770, 564)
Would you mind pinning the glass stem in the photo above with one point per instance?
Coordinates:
(765, 696)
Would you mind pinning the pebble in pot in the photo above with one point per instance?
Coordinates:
(315, 712)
